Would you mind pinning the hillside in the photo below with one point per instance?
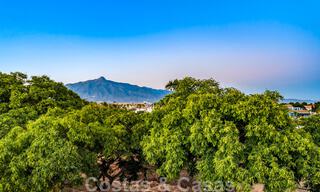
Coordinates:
(103, 90)
(298, 101)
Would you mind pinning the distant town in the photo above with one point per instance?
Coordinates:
(136, 107)
(297, 110)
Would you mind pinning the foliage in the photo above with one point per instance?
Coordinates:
(50, 138)
(22, 100)
(298, 104)
(113, 133)
(317, 107)
(37, 158)
(224, 135)
(311, 126)
(57, 148)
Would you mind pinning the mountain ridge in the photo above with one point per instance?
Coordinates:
(104, 90)
(290, 100)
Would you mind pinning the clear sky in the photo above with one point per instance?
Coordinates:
(252, 45)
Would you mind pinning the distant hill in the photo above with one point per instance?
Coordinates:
(298, 101)
(103, 90)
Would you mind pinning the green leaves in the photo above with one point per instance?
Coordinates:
(228, 136)
(22, 100)
(312, 126)
(49, 137)
(310, 129)
(39, 158)
(58, 147)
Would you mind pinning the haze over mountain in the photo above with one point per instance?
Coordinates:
(103, 90)
(298, 101)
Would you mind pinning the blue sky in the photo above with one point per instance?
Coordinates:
(251, 45)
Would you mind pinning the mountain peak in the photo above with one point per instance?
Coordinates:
(105, 90)
(102, 78)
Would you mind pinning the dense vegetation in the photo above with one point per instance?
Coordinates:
(317, 106)
(50, 138)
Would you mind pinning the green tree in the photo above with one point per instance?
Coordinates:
(317, 107)
(38, 158)
(50, 138)
(8, 84)
(311, 127)
(56, 149)
(22, 100)
(224, 135)
(112, 133)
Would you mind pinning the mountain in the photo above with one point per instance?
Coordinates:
(103, 90)
(297, 101)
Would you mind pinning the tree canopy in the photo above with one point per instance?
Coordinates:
(317, 107)
(57, 148)
(50, 138)
(224, 135)
(23, 99)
